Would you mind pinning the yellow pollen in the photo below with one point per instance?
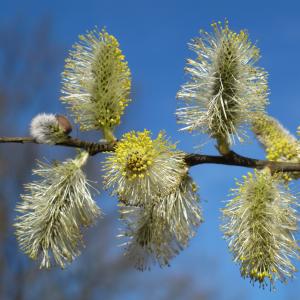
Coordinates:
(135, 153)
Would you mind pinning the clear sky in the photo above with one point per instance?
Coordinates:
(153, 36)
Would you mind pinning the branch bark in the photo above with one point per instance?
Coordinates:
(92, 148)
(192, 159)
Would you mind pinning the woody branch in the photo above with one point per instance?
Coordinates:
(192, 159)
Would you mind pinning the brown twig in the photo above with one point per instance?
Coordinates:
(92, 148)
(193, 159)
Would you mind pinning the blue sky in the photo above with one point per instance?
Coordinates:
(153, 36)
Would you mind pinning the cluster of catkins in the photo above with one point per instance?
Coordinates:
(158, 201)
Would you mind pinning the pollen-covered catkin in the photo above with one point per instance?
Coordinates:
(53, 210)
(259, 225)
(142, 168)
(280, 145)
(158, 232)
(158, 199)
(226, 86)
(96, 82)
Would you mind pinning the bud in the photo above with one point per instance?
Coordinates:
(64, 124)
(50, 128)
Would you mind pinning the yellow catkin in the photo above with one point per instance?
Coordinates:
(141, 168)
(259, 224)
(279, 144)
(96, 82)
(226, 86)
